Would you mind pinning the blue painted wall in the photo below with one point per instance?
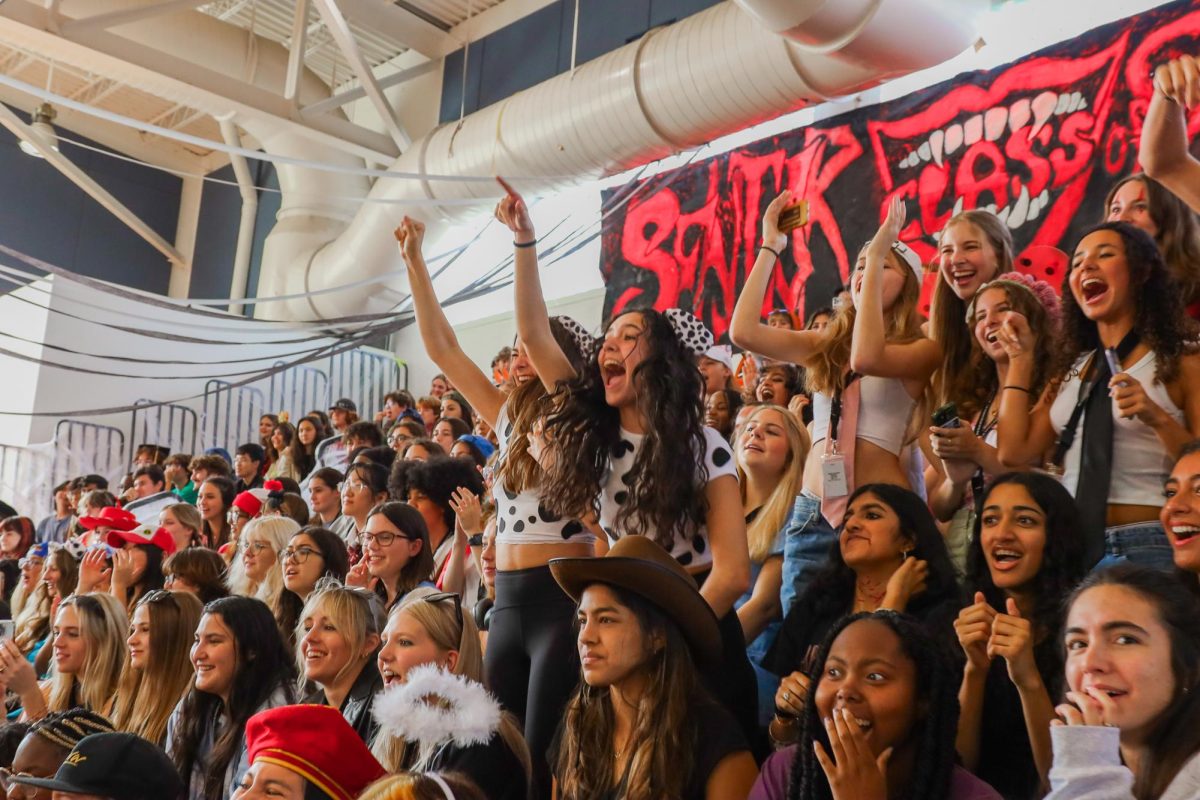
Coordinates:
(45, 215)
(538, 47)
(217, 231)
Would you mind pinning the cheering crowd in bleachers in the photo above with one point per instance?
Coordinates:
(878, 557)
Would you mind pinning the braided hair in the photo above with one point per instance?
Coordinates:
(65, 728)
(933, 733)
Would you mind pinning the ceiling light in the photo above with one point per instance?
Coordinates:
(42, 118)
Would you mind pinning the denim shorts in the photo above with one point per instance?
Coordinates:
(1142, 543)
(808, 540)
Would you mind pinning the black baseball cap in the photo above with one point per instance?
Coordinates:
(344, 404)
(118, 765)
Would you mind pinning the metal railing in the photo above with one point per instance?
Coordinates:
(84, 448)
(298, 390)
(231, 413)
(172, 426)
(25, 479)
(365, 375)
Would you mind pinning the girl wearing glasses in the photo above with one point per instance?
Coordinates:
(396, 554)
(310, 555)
(337, 641)
(428, 628)
(255, 570)
(364, 487)
(158, 670)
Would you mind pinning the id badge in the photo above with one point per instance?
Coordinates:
(833, 474)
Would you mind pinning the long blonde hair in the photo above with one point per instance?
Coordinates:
(102, 625)
(825, 371)
(357, 614)
(774, 513)
(275, 531)
(419, 786)
(146, 697)
(451, 630)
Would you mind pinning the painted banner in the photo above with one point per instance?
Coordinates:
(1039, 141)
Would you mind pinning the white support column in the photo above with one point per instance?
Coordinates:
(185, 236)
(81, 179)
(245, 241)
(342, 35)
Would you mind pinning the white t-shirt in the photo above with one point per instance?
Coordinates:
(690, 550)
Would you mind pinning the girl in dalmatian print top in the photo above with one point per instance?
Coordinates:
(531, 661)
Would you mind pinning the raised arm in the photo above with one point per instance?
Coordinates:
(870, 351)
(746, 328)
(1163, 150)
(1023, 431)
(440, 342)
(533, 320)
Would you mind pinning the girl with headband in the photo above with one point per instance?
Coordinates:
(625, 442)
(867, 370)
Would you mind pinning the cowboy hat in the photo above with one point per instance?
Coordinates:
(639, 565)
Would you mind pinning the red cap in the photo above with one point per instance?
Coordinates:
(111, 517)
(317, 743)
(161, 538)
(251, 501)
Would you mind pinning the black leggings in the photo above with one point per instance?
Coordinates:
(531, 662)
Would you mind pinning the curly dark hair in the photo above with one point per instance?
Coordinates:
(833, 586)
(666, 500)
(934, 732)
(1063, 564)
(438, 477)
(1161, 319)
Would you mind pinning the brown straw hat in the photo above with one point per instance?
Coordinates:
(639, 565)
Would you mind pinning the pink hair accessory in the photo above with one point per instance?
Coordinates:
(1043, 291)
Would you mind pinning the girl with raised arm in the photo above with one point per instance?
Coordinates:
(866, 370)
(531, 659)
(626, 443)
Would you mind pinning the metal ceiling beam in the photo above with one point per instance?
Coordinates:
(357, 93)
(395, 23)
(81, 179)
(296, 50)
(114, 18)
(339, 29)
(159, 72)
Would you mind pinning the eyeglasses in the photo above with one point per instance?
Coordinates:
(385, 538)
(30, 561)
(353, 487)
(8, 782)
(299, 555)
(438, 597)
(235, 514)
(257, 547)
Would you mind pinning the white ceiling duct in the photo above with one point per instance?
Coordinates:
(710, 74)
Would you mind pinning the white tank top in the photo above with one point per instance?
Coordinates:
(1140, 462)
(884, 409)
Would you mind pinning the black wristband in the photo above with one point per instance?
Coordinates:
(777, 253)
(526, 244)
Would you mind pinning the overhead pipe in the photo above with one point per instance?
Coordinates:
(710, 74)
(677, 87)
(249, 193)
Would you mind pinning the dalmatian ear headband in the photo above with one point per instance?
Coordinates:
(692, 333)
(583, 340)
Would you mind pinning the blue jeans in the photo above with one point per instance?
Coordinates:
(1142, 543)
(808, 540)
